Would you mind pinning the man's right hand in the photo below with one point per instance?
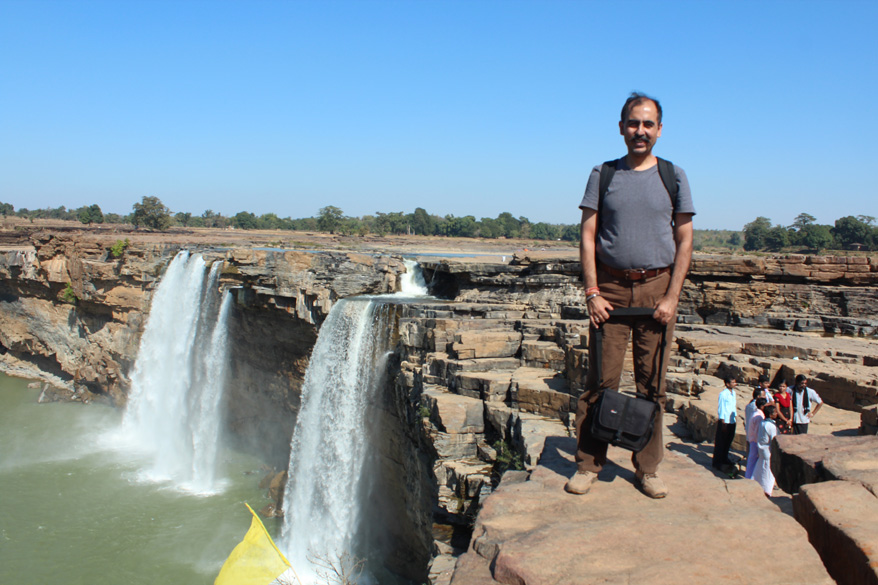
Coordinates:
(599, 310)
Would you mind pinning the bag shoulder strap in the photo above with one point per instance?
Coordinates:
(599, 337)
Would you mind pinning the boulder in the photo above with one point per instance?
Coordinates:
(797, 460)
(840, 519)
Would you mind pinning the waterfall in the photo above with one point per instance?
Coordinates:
(174, 413)
(328, 447)
(412, 283)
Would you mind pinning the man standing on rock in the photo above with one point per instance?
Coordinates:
(726, 422)
(635, 252)
(803, 398)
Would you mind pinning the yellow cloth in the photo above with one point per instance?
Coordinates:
(255, 561)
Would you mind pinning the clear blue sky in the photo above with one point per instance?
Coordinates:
(461, 107)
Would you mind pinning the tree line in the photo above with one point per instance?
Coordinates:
(151, 213)
(850, 232)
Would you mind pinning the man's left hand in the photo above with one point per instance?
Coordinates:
(665, 309)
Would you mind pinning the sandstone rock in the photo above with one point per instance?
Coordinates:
(540, 391)
(840, 519)
(487, 344)
(869, 420)
(534, 533)
(455, 414)
(542, 354)
(276, 487)
(797, 460)
(489, 386)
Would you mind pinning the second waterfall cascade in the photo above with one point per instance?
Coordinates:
(174, 413)
(322, 501)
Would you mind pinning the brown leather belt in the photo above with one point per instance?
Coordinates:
(634, 274)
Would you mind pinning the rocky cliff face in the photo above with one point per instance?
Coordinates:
(480, 377)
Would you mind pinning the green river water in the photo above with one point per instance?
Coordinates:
(73, 512)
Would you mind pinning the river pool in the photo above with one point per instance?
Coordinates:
(74, 511)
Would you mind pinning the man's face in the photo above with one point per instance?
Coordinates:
(731, 384)
(802, 384)
(641, 129)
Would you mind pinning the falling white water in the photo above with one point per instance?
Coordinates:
(412, 283)
(173, 415)
(322, 510)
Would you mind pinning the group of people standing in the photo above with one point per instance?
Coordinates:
(771, 412)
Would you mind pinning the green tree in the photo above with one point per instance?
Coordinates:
(571, 233)
(816, 237)
(6, 209)
(850, 230)
(777, 238)
(755, 232)
(184, 218)
(210, 218)
(544, 231)
(91, 214)
(461, 227)
(329, 218)
(151, 213)
(244, 220)
(511, 226)
(735, 239)
(803, 220)
(490, 228)
(268, 221)
(422, 223)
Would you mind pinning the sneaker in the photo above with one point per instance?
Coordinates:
(651, 484)
(581, 482)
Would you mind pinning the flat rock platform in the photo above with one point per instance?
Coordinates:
(709, 530)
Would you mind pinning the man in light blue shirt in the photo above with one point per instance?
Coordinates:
(727, 415)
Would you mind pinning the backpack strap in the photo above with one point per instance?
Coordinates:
(666, 172)
(669, 178)
(608, 169)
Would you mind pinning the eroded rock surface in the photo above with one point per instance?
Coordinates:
(840, 519)
(708, 530)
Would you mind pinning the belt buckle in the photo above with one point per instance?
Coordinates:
(635, 273)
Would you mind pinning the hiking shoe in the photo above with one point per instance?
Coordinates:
(581, 482)
(652, 485)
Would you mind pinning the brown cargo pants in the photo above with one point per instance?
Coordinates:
(591, 454)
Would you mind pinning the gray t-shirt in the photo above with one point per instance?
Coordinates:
(636, 228)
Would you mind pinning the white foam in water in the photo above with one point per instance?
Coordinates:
(412, 283)
(173, 416)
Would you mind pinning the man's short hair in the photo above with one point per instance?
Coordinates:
(757, 392)
(635, 99)
(801, 378)
(760, 402)
(769, 410)
(763, 378)
(728, 380)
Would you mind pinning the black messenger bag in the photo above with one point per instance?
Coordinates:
(624, 420)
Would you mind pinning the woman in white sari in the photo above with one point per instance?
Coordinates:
(767, 432)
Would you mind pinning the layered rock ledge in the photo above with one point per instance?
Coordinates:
(836, 484)
(708, 530)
